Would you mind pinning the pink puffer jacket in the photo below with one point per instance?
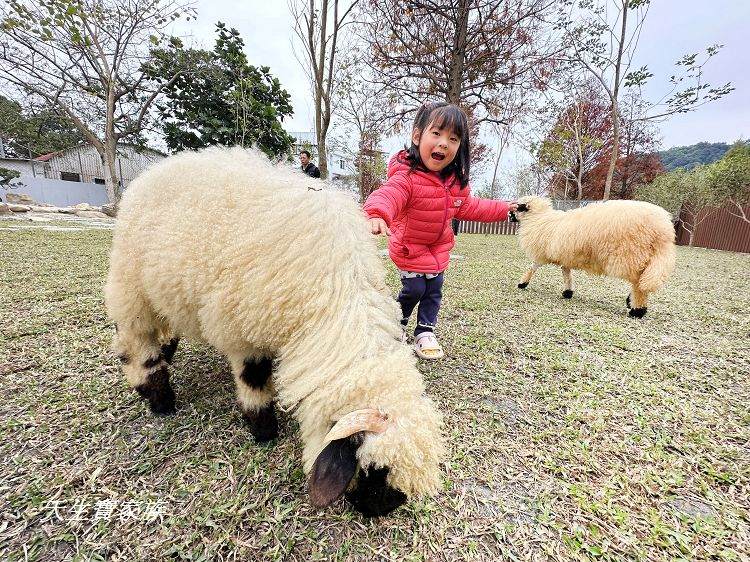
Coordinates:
(418, 208)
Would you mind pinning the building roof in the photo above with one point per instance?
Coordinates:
(46, 157)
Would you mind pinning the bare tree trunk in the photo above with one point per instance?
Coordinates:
(111, 178)
(458, 59)
(311, 26)
(614, 107)
(322, 150)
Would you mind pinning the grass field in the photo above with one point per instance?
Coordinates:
(575, 432)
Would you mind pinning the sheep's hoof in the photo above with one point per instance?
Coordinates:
(372, 497)
(523, 285)
(567, 294)
(637, 312)
(627, 302)
(263, 423)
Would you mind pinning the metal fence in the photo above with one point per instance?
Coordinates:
(507, 227)
(719, 230)
(470, 227)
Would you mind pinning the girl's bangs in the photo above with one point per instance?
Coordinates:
(449, 117)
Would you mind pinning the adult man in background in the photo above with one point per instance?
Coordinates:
(308, 167)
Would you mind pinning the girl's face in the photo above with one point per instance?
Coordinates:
(437, 147)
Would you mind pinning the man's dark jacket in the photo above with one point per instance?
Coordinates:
(311, 170)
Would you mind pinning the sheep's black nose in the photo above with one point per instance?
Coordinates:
(513, 217)
(372, 497)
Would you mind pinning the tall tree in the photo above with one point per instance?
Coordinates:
(603, 37)
(577, 141)
(730, 178)
(220, 98)
(362, 107)
(86, 58)
(318, 25)
(483, 55)
(687, 195)
(466, 52)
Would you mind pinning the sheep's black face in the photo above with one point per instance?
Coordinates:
(333, 472)
(372, 496)
(522, 208)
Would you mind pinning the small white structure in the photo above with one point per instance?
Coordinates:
(74, 175)
(83, 163)
(23, 166)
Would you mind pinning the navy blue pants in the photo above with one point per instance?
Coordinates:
(427, 293)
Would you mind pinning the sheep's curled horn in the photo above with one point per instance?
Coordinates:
(337, 462)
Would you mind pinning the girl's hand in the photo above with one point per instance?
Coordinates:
(378, 226)
(512, 207)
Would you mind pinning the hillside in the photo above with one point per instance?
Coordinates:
(688, 157)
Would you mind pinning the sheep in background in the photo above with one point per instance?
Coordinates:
(262, 264)
(630, 240)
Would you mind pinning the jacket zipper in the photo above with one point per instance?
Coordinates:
(445, 212)
(442, 228)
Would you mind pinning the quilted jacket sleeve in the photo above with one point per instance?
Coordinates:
(482, 210)
(389, 199)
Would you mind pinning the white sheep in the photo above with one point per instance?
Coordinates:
(261, 263)
(630, 240)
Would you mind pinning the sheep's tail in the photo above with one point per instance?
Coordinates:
(659, 268)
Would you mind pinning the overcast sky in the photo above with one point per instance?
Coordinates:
(673, 28)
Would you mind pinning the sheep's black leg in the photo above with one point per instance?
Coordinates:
(568, 291)
(527, 276)
(637, 301)
(168, 349)
(255, 397)
(145, 367)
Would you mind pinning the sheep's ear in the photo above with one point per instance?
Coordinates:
(522, 208)
(333, 470)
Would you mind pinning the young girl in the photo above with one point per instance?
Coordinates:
(427, 186)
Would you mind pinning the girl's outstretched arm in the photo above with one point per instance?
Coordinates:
(389, 199)
(483, 210)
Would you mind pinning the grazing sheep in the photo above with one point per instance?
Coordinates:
(273, 271)
(631, 240)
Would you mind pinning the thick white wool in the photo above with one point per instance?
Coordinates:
(223, 246)
(631, 240)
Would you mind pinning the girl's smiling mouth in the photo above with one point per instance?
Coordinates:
(437, 156)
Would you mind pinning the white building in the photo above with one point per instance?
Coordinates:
(83, 163)
(340, 165)
(74, 175)
(24, 167)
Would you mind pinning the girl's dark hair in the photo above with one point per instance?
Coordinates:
(443, 115)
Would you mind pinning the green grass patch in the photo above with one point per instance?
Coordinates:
(575, 432)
